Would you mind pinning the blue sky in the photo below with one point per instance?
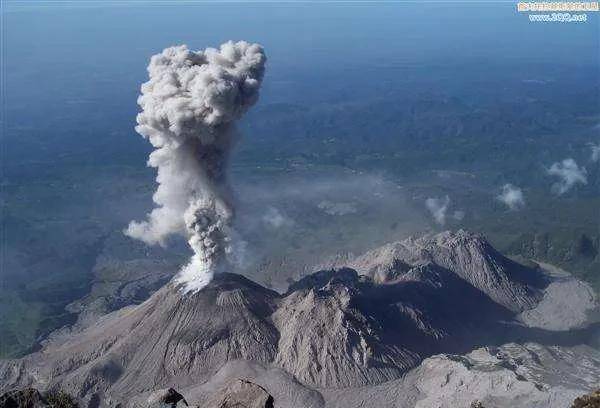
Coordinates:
(298, 33)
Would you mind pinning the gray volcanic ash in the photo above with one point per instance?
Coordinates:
(189, 109)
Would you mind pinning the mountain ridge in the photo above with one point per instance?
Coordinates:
(336, 328)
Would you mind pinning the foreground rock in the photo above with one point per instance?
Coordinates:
(591, 400)
(25, 398)
(32, 398)
(168, 397)
(242, 393)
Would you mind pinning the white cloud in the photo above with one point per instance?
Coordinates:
(512, 196)
(276, 219)
(569, 174)
(332, 208)
(438, 207)
(458, 215)
(595, 151)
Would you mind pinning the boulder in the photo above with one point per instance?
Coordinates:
(591, 400)
(242, 393)
(167, 397)
(24, 398)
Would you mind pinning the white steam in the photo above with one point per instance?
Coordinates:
(595, 152)
(334, 208)
(275, 219)
(459, 215)
(569, 174)
(438, 207)
(512, 196)
(189, 109)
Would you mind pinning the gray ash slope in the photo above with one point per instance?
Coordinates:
(335, 328)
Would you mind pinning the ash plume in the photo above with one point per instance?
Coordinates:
(189, 108)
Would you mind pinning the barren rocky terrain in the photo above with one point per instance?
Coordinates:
(437, 321)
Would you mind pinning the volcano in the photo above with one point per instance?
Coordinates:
(346, 327)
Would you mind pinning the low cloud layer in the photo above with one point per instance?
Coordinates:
(569, 174)
(438, 207)
(512, 196)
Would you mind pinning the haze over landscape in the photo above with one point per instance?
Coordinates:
(408, 213)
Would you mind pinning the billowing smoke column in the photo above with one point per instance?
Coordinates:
(189, 109)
